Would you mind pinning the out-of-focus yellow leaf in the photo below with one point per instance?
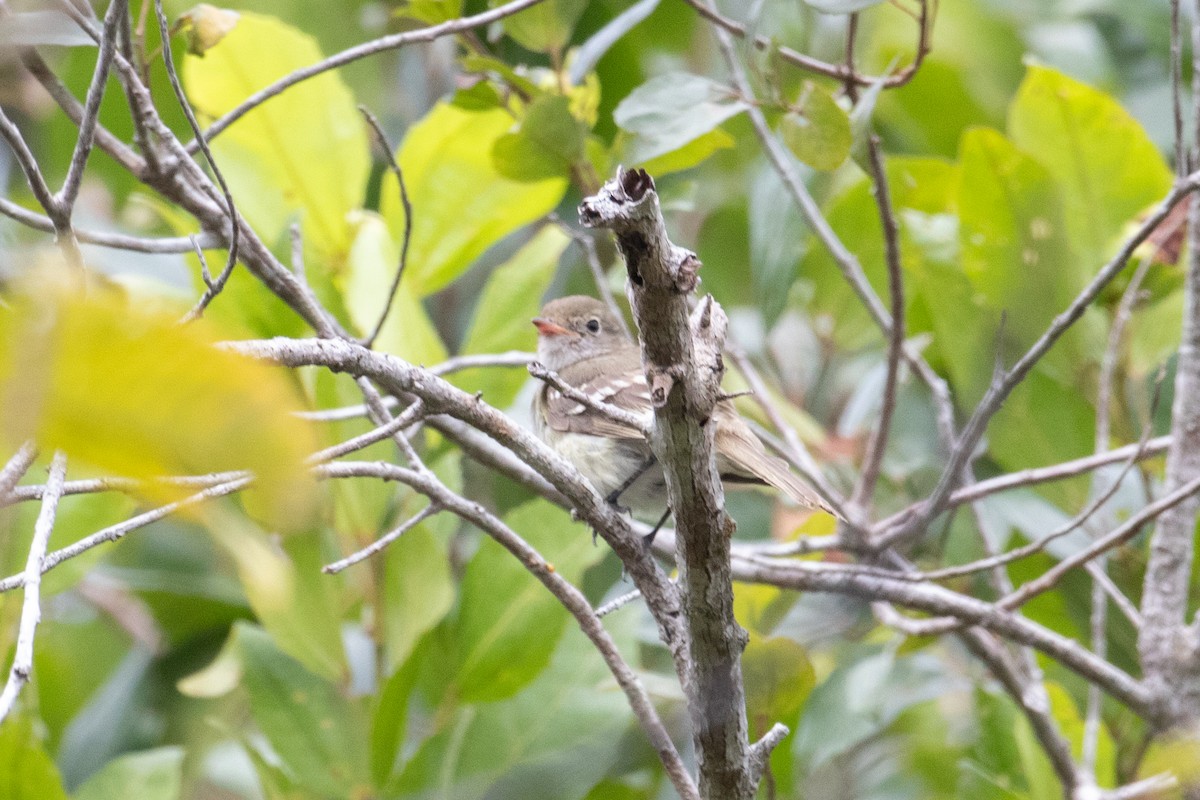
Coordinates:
(303, 151)
(134, 393)
(461, 204)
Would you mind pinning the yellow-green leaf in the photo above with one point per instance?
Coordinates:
(819, 132)
(304, 151)
(461, 204)
(131, 392)
(26, 772)
(373, 261)
(1107, 167)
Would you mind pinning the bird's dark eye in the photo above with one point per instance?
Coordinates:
(593, 325)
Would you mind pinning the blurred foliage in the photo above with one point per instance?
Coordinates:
(205, 658)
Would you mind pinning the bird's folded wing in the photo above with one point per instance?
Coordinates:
(625, 390)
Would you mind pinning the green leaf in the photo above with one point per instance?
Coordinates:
(108, 725)
(671, 110)
(689, 155)
(818, 132)
(149, 775)
(1016, 250)
(546, 145)
(510, 299)
(554, 740)
(509, 623)
(303, 151)
(545, 28)
(860, 699)
(130, 391)
(432, 12)
(418, 588)
(923, 192)
(778, 235)
(374, 258)
(1107, 167)
(316, 733)
(778, 677)
(461, 204)
(1063, 707)
(26, 772)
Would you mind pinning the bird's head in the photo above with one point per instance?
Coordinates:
(571, 329)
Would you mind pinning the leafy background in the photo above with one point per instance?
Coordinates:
(205, 658)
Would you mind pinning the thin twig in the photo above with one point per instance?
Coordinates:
(999, 390)
(116, 241)
(878, 441)
(15, 468)
(571, 598)
(394, 166)
(617, 602)
(588, 245)
(383, 541)
(410, 416)
(839, 71)
(31, 610)
(118, 531)
(382, 44)
(212, 288)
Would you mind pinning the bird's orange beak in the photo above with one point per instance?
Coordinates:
(547, 328)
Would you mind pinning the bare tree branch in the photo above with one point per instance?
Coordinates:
(31, 610)
(394, 166)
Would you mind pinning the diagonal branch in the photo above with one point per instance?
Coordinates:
(31, 610)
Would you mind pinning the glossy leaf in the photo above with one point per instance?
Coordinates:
(1075, 132)
(304, 151)
(462, 204)
(511, 298)
(316, 734)
(671, 110)
(818, 131)
(133, 393)
(149, 775)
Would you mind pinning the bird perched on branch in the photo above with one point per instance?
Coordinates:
(581, 341)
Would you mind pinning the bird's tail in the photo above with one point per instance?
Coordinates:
(742, 450)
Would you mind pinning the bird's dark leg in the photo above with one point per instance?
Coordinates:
(648, 539)
(615, 495)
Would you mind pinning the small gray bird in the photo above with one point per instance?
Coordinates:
(579, 339)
